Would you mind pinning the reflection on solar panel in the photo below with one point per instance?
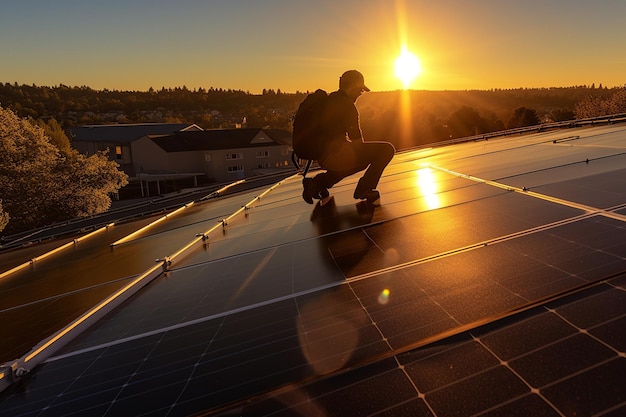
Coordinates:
(491, 281)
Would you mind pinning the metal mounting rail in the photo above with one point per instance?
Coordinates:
(73, 243)
(214, 194)
(14, 370)
(201, 238)
(148, 226)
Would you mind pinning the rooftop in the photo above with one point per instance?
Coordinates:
(490, 281)
(215, 139)
(126, 133)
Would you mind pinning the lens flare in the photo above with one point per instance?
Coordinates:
(383, 297)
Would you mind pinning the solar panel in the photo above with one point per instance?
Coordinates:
(490, 281)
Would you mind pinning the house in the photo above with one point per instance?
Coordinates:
(178, 155)
(118, 139)
(221, 155)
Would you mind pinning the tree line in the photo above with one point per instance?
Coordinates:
(212, 108)
(425, 116)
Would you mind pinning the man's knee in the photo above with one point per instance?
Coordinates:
(392, 149)
(387, 150)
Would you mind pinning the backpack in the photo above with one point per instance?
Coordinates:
(307, 126)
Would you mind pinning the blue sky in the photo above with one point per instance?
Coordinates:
(300, 45)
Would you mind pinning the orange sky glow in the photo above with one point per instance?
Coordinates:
(300, 46)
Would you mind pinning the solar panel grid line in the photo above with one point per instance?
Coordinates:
(298, 365)
(533, 390)
(546, 169)
(576, 334)
(580, 372)
(204, 236)
(65, 294)
(494, 367)
(148, 226)
(508, 149)
(473, 246)
(312, 238)
(587, 333)
(122, 219)
(428, 341)
(23, 365)
(193, 322)
(399, 351)
(371, 319)
(178, 210)
(572, 204)
(617, 207)
(15, 241)
(68, 245)
(373, 223)
(187, 382)
(536, 390)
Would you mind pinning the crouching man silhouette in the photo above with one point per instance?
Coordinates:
(342, 148)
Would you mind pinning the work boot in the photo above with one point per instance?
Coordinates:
(365, 191)
(308, 191)
(372, 196)
(324, 196)
(313, 190)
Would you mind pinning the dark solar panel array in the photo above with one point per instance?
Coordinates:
(489, 282)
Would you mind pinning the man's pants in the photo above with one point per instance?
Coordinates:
(351, 157)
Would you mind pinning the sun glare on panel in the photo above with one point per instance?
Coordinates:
(428, 187)
(407, 67)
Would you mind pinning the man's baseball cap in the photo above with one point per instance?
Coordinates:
(352, 78)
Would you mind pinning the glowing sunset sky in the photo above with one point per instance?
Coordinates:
(300, 45)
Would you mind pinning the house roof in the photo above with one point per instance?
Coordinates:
(125, 133)
(490, 281)
(216, 139)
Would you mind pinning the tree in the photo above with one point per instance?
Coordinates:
(40, 185)
(4, 217)
(466, 122)
(523, 117)
(594, 106)
(559, 115)
(55, 132)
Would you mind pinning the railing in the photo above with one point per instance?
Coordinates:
(614, 118)
(122, 214)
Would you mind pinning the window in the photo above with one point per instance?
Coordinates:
(230, 156)
(263, 154)
(264, 165)
(118, 152)
(235, 168)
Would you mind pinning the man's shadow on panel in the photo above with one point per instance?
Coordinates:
(342, 237)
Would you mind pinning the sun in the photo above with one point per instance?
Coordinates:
(407, 67)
